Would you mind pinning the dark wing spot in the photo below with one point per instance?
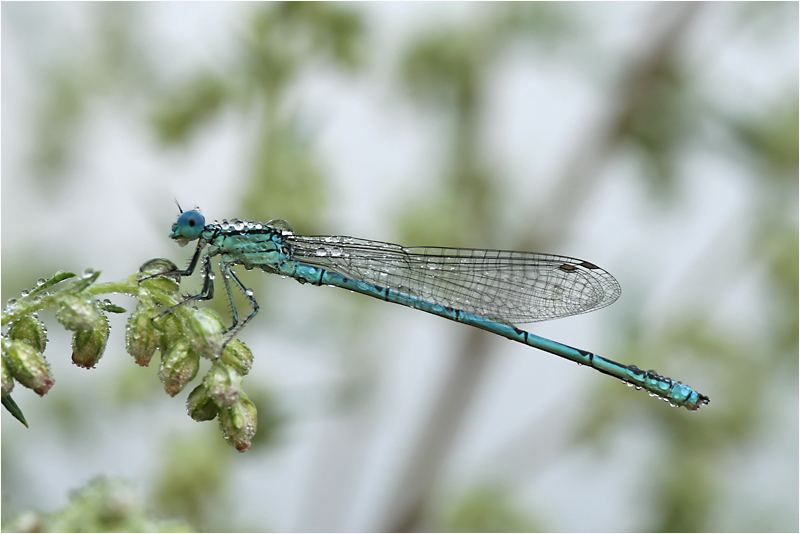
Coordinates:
(589, 265)
(568, 268)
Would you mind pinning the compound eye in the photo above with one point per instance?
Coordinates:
(190, 224)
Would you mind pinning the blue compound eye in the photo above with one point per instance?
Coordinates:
(190, 224)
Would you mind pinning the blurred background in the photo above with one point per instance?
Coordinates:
(659, 141)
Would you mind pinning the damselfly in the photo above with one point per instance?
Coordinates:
(488, 289)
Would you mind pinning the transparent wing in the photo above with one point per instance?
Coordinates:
(514, 287)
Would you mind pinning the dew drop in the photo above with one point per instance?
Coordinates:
(25, 292)
(281, 225)
(11, 302)
(40, 281)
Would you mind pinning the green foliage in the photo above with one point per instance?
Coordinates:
(11, 406)
(180, 114)
(182, 489)
(184, 335)
(86, 74)
(488, 509)
(281, 41)
(103, 505)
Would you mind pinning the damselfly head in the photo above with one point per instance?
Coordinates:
(188, 227)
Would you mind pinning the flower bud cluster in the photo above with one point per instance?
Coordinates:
(23, 344)
(221, 395)
(184, 335)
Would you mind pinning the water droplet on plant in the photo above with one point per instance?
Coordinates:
(25, 292)
(40, 281)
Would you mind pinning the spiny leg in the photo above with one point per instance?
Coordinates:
(226, 275)
(186, 272)
(207, 293)
(226, 272)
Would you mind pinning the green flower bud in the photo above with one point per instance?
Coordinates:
(141, 338)
(77, 313)
(205, 327)
(223, 384)
(238, 356)
(200, 405)
(179, 366)
(238, 423)
(8, 380)
(88, 345)
(158, 266)
(27, 366)
(163, 290)
(171, 330)
(30, 330)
